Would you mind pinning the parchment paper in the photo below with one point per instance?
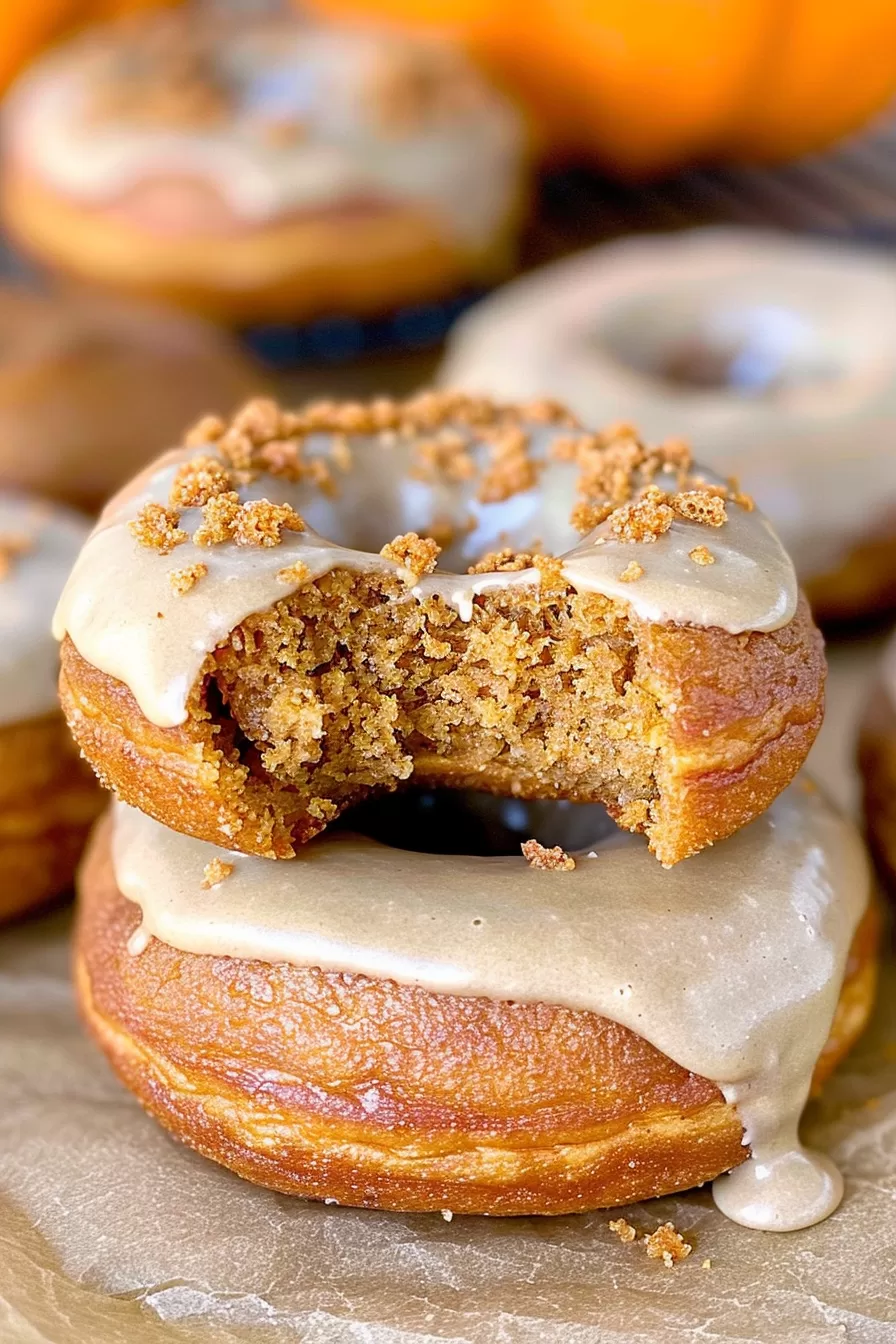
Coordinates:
(110, 1233)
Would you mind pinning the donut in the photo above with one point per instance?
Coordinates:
(48, 798)
(773, 356)
(92, 389)
(257, 634)
(266, 168)
(419, 1031)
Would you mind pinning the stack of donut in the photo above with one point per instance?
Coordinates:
(524, 1008)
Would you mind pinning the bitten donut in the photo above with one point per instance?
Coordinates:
(420, 1031)
(48, 798)
(263, 168)
(263, 628)
(91, 390)
(773, 356)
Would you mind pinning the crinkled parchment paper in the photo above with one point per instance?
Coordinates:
(110, 1233)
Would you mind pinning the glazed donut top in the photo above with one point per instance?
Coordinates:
(773, 356)
(731, 963)
(278, 115)
(242, 516)
(38, 545)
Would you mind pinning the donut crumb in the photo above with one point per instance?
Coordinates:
(645, 519)
(156, 528)
(700, 506)
(624, 1230)
(294, 574)
(667, 1244)
(702, 555)
(197, 481)
(586, 516)
(214, 873)
(258, 522)
(551, 860)
(182, 580)
(418, 555)
(632, 572)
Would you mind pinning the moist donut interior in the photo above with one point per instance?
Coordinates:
(351, 686)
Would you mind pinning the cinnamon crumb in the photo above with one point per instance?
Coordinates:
(197, 481)
(214, 872)
(552, 860)
(624, 1231)
(585, 516)
(296, 574)
(416, 554)
(157, 528)
(218, 520)
(206, 430)
(503, 561)
(632, 572)
(512, 470)
(701, 555)
(550, 573)
(645, 519)
(283, 458)
(700, 506)
(182, 580)
(667, 1244)
(261, 523)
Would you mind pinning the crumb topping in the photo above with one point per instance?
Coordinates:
(418, 555)
(258, 522)
(551, 860)
(197, 481)
(645, 519)
(157, 528)
(624, 1231)
(182, 580)
(294, 574)
(701, 555)
(214, 872)
(632, 572)
(700, 506)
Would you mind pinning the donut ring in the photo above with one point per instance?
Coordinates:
(263, 169)
(292, 676)
(771, 355)
(80, 409)
(48, 798)
(388, 1095)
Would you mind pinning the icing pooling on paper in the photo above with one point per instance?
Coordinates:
(730, 963)
(120, 612)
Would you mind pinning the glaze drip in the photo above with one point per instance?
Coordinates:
(731, 963)
(123, 617)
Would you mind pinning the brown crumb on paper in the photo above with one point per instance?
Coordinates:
(632, 572)
(182, 580)
(157, 528)
(701, 555)
(214, 872)
(624, 1231)
(551, 860)
(667, 1244)
(418, 555)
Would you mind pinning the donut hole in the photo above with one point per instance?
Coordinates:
(732, 344)
(444, 821)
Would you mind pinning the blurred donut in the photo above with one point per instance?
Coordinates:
(48, 798)
(266, 168)
(91, 388)
(775, 357)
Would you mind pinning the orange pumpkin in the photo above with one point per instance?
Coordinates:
(28, 26)
(648, 85)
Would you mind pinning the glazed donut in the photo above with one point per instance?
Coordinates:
(91, 389)
(266, 168)
(48, 799)
(413, 1031)
(773, 356)
(243, 658)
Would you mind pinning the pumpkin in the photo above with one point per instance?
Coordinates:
(648, 85)
(28, 26)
